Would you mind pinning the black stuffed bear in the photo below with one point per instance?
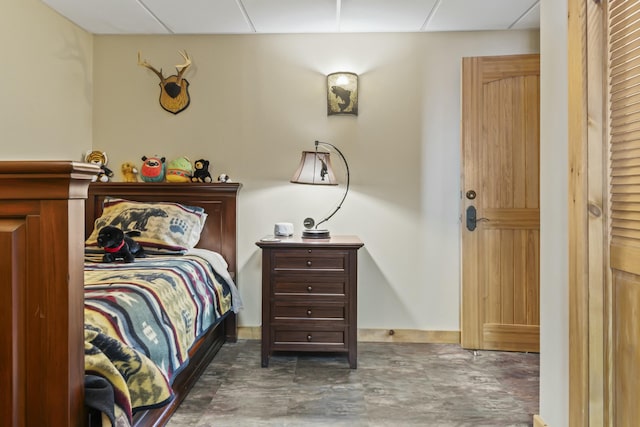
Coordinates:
(201, 171)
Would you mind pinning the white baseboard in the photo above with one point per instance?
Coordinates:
(379, 335)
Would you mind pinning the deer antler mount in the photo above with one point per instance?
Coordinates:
(174, 90)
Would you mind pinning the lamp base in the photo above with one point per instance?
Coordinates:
(314, 233)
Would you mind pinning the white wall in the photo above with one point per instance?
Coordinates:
(554, 265)
(258, 101)
(46, 77)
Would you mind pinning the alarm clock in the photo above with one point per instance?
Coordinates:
(283, 229)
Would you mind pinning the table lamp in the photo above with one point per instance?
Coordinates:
(315, 169)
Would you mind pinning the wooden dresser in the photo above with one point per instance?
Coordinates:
(310, 296)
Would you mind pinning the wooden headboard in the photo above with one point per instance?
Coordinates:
(218, 200)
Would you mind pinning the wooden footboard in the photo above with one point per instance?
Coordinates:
(41, 310)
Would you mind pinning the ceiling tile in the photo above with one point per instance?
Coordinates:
(295, 16)
(292, 16)
(463, 15)
(384, 15)
(108, 17)
(200, 16)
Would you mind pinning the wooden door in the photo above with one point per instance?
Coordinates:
(623, 319)
(604, 256)
(500, 180)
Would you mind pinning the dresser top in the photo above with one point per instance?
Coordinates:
(298, 241)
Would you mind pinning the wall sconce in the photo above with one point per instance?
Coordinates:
(342, 93)
(315, 169)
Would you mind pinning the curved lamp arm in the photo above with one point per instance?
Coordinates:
(346, 165)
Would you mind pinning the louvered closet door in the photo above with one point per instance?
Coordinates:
(624, 109)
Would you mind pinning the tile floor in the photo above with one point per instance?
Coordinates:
(437, 385)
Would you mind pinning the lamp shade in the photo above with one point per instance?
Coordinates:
(315, 168)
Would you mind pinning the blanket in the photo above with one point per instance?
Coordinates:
(142, 318)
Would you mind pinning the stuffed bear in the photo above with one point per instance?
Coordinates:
(153, 169)
(224, 178)
(99, 158)
(129, 172)
(201, 173)
(179, 170)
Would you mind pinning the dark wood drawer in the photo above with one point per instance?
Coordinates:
(308, 337)
(308, 310)
(310, 296)
(311, 259)
(305, 285)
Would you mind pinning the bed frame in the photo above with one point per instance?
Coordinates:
(43, 224)
(219, 235)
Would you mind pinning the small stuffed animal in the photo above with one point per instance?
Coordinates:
(201, 172)
(153, 169)
(179, 170)
(99, 158)
(224, 178)
(129, 172)
(119, 245)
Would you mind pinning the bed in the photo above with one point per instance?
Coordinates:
(218, 235)
(47, 210)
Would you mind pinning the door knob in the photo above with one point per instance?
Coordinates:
(472, 218)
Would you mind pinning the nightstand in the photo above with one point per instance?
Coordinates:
(310, 296)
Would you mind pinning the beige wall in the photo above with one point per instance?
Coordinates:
(258, 101)
(46, 77)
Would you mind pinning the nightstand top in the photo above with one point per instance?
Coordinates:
(298, 241)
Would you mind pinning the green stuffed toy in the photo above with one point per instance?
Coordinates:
(179, 170)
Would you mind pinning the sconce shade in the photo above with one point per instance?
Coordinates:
(315, 168)
(342, 93)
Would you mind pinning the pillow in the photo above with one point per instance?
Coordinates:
(164, 227)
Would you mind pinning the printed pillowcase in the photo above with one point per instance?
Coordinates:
(165, 227)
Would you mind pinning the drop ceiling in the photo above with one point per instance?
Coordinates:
(296, 16)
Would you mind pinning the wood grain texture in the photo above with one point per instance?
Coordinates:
(578, 236)
(622, 307)
(310, 296)
(12, 307)
(47, 201)
(500, 150)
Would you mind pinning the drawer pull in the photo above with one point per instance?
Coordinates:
(309, 288)
(308, 263)
(309, 312)
(309, 337)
